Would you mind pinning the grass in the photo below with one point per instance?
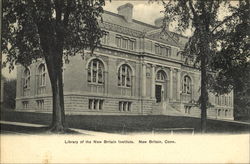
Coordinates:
(128, 124)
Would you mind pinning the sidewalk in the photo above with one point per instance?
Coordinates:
(85, 132)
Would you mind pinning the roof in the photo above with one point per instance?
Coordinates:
(119, 20)
(150, 31)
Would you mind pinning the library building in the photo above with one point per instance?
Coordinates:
(139, 70)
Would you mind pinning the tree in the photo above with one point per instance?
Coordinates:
(9, 95)
(207, 40)
(53, 30)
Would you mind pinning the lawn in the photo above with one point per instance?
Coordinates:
(127, 124)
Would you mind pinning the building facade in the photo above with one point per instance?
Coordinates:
(138, 70)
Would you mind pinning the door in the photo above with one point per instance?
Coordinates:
(158, 93)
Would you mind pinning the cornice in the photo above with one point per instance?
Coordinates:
(121, 29)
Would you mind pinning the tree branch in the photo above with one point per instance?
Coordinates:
(192, 9)
(225, 20)
(67, 13)
(58, 8)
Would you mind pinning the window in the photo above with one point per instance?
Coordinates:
(124, 76)
(157, 49)
(229, 101)
(41, 75)
(118, 41)
(41, 79)
(105, 38)
(216, 99)
(125, 106)
(162, 50)
(226, 100)
(40, 104)
(219, 100)
(226, 113)
(26, 82)
(125, 42)
(160, 76)
(187, 109)
(186, 85)
(219, 112)
(131, 45)
(25, 104)
(96, 72)
(96, 104)
(168, 51)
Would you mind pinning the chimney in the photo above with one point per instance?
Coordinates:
(126, 11)
(159, 23)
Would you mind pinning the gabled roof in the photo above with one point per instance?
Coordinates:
(163, 36)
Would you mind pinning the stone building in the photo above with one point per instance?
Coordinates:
(139, 70)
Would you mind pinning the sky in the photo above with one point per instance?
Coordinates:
(142, 11)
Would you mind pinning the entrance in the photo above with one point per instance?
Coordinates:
(158, 93)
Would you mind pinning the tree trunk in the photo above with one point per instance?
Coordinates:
(55, 74)
(204, 95)
(204, 52)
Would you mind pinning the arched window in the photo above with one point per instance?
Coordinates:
(41, 75)
(26, 84)
(125, 76)
(226, 113)
(186, 87)
(160, 76)
(96, 72)
(41, 79)
(219, 112)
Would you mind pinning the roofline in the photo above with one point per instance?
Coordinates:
(142, 23)
(136, 21)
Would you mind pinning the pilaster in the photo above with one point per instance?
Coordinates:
(153, 81)
(178, 84)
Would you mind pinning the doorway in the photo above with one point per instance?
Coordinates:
(158, 94)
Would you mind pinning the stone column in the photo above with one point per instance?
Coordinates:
(143, 79)
(171, 84)
(178, 84)
(153, 82)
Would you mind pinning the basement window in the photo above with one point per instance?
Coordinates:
(125, 106)
(96, 104)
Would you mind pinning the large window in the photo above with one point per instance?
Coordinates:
(26, 82)
(96, 72)
(42, 75)
(124, 76)
(41, 79)
(186, 85)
